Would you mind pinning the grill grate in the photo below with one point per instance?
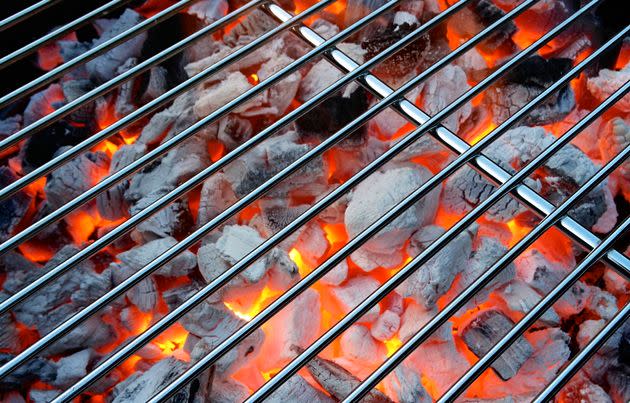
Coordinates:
(467, 154)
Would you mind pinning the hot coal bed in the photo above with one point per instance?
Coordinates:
(59, 257)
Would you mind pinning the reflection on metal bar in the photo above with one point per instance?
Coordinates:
(26, 13)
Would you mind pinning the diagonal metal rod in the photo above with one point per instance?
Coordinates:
(547, 302)
(579, 360)
(26, 13)
(26, 50)
(458, 302)
(158, 151)
(89, 55)
(119, 290)
(483, 165)
(147, 336)
(49, 119)
(393, 282)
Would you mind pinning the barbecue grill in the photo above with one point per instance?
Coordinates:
(467, 154)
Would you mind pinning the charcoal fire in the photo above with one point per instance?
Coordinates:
(225, 212)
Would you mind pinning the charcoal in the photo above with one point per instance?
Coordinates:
(337, 275)
(141, 387)
(9, 334)
(353, 292)
(208, 11)
(520, 297)
(42, 396)
(43, 145)
(254, 25)
(614, 137)
(523, 84)
(75, 177)
(485, 330)
(338, 381)
(73, 90)
(234, 131)
(143, 295)
(125, 99)
(405, 384)
(601, 303)
(379, 193)
(159, 124)
(619, 382)
(103, 68)
(434, 278)
(359, 346)
(222, 92)
(13, 209)
(589, 329)
(228, 390)
(142, 255)
(10, 125)
(72, 368)
(415, 317)
(36, 369)
(312, 243)
(12, 397)
(297, 389)
(216, 196)
(42, 103)
(386, 326)
(174, 220)
(607, 82)
(583, 390)
(157, 85)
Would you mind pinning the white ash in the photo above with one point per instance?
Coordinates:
(485, 330)
(234, 131)
(434, 278)
(472, 61)
(441, 89)
(312, 244)
(13, 209)
(338, 381)
(228, 390)
(615, 136)
(607, 82)
(589, 329)
(124, 103)
(601, 303)
(337, 275)
(72, 368)
(296, 389)
(250, 28)
(615, 282)
(415, 317)
(140, 256)
(103, 67)
(40, 104)
(222, 92)
(216, 195)
(157, 84)
(141, 387)
(520, 297)
(385, 326)
(42, 396)
(75, 177)
(276, 214)
(404, 384)
(208, 11)
(172, 220)
(325, 28)
(580, 389)
(353, 292)
(379, 193)
(359, 346)
(160, 123)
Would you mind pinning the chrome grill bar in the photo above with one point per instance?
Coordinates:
(26, 13)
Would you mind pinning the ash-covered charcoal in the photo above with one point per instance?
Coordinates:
(103, 67)
(405, 383)
(374, 197)
(72, 368)
(125, 99)
(34, 370)
(174, 220)
(75, 177)
(581, 389)
(337, 381)
(520, 297)
(385, 326)
(353, 292)
(296, 389)
(615, 136)
(208, 11)
(440, 362)
(276, 214)
(43, 145)
(140, 256)
(234, 131)
(13, 209)
(10, 125)
(140, 387)
(485, 330)
(360, 348)
(607, 82)
(43, 103)
(73, 89)
(434, 278)
(415, 317)
(216, 196)
(251, 27)
(524, 83)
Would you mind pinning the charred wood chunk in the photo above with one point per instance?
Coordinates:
(43, 145)
(12, 210)
(524, 83)
(485, 330)
(337, 381)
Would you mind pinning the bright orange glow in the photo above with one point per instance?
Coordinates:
(36, 253)
(107, 147)
(624, 58)
(296, 256)
(267, 375)
(172, 340)
(216, 150)
(37, 188)
(518, 231)
(253, 79)
(335, 233)
(430, 386)
(490, 126)
(128, 367)
(248, 213)
(392, 345)
(445, 219)
(81, 226)
(257, 306)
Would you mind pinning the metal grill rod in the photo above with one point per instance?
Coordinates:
(115, 82)
(89, 55)
(579, 360)
(458, 302)
(547, 302)
(483, 165)
(24, 51)
(26, 13)
(389, 286)
(461, 299)
(126, 226)
(197, 298)
(121, 288)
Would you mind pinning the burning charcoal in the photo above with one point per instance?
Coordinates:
(337, 275)
(112, 204)
(434, 278)
(405, 384)
(619, 382)
(234, 131)
(520, 297)
(36, 369)
(488, 251)
(43, 103)
(254, 25)
(72, 368)
(222, 92)
(143, 295)
(228, 390)
(608, 81)
(216, 196)
(312, 243)
(589, 329)
(125, 98)
(337, 381)
(296, 389)
(157, 85)
(12, 397)
(583, 390)
(74, 89)
(523, 84)
(103, 68)
(353, 292)
(43, 145)
(379, 193)
(142, 255)
(42, 396)
(386, 326)
(485, 330)
(13, 209)
(208, 11)
(616, 137)
(9, 334)
(415, 317)
(174, 220)
(160, 123)
(75, 177)
(275, 214)
(142, 387)
(10, 125)
(441, 89)
(601, 303)
(213, 323)
(359, 346)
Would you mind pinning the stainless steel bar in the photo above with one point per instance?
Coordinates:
(24, 51)
(583, 356)
(486, 167)
(396, 279)
(26, 13)
(90, 54)
(127, 225)
(460, 300)
(547, 302)
(91, 95)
